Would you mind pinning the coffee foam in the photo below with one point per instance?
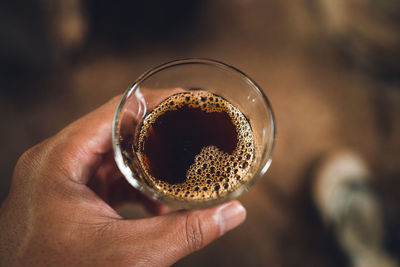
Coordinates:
(214, 173)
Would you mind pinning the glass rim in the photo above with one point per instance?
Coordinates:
(150, 192)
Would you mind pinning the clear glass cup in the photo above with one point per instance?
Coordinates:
(157, 84)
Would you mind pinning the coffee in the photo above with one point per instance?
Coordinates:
(195, 146)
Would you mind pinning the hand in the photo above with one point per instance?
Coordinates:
(52, 217)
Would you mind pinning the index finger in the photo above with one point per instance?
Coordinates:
(79, 148)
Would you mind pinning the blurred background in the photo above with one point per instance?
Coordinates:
(331, 69)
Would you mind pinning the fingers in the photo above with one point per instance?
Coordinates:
(111, 186)
(79, 147)
(178, 234)
(117, 191)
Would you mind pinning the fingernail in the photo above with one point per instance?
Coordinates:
(230, 216)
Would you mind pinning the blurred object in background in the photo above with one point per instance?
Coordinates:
(350, 207)
(67, 23)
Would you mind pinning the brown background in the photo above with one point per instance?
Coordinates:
(330, 69)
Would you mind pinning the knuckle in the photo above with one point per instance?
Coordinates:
(30, 161)
(27, 158)
(194, 232)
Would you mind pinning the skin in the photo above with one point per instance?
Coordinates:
(60, 208)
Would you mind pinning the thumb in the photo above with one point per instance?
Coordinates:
(173, 236)
(184, 232)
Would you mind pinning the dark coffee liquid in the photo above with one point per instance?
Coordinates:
(195, 145)
(177, 136)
